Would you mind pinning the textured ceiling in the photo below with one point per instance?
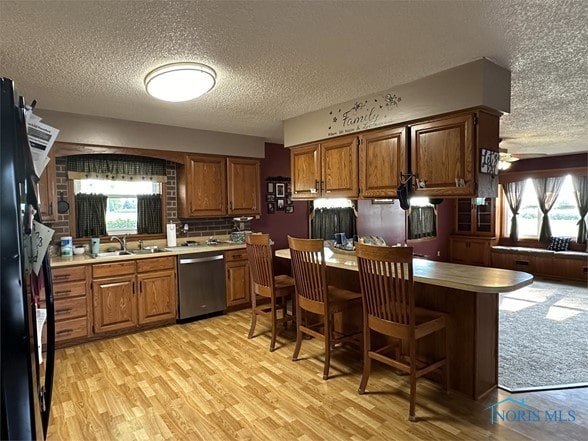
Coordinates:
(276, 59)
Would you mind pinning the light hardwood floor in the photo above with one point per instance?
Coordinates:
(206, 381)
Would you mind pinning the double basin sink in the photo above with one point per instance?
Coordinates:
(153, 250)
(129, 253)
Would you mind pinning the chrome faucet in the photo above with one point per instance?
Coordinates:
(123, 242)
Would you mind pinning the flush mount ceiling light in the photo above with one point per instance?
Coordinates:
(180, 81)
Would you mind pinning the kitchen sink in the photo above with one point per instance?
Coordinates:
(149, 251)
(112, 254)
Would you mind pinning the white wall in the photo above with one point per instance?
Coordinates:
(85, 129)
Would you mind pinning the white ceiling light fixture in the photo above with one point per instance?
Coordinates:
(180, 81)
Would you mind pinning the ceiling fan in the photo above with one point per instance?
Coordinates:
(506, 158)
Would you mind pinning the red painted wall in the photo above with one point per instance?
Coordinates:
(389, 222)
(279, 224)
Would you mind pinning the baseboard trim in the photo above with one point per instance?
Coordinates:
(516, 390)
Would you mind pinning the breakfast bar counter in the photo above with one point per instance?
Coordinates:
(468, 294)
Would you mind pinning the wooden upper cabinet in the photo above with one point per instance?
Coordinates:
(339, 162)
(442, 156)
(477, 219)
(47, 192)
(445, 155)
(243, 182)
(202, 186)
(327, 169)
(382, 157)
(305, 171)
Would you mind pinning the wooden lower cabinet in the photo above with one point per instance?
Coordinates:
(133, 293)
(237, 278)
(72, 312)
(470, 250)
(157, 296)
(115, 307)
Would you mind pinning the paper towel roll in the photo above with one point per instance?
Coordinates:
(171, 235)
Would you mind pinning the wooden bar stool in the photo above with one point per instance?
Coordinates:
(386, 278)
(278, 289)
(315, 296)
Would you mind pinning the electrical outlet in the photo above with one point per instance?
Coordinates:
(438, 253)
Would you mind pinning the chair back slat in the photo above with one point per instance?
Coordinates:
(259, 254)
(309, 268)
(386, 278)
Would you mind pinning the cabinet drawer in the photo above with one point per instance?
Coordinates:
(113, 269)
(158, 263)
(71, 289)
(236, 255)
(69, 329)
(70, 308)
(66, 274)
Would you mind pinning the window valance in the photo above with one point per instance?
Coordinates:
(116, 167)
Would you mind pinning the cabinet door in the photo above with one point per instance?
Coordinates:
(206, 192)
(463, 216)
(442, 156)
(478, 252)
(305, 171)
(339, 167)
(237, 281)
(458, 250)
(382, 157)
(484, 216)
(243, 178)
(157, 296)
(47, 192)
(115, 306)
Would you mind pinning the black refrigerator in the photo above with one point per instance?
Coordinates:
(26, 384)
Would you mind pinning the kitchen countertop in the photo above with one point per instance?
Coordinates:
(86, 259)
(450, 275)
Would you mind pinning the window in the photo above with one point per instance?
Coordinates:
(563, 217)
(121, 210)
(330, 216)
(422, 219)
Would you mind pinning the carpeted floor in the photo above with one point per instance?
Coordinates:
(543, 336)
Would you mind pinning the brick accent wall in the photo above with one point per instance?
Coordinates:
(202, 227)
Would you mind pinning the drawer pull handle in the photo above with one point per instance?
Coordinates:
(64, 331)
(522, 262)
(62, 311)
(62, 293)
(60, 276)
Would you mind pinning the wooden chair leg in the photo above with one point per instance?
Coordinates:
(298, 335)
(446, 376)
(411, 411)
(253, 322)
(367, 361)
(328, 332)
(274, 326)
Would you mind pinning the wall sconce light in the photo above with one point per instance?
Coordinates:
(180, 81)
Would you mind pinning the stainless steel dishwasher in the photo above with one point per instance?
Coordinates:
(201, 284)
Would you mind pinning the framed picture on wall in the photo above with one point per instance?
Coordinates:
(289, 209)
(280, 190)
(270, 197)
(271, 207)
(281, 203)
(270, 187)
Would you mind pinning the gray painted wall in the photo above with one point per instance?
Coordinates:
(85, 129)
(479, 83)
